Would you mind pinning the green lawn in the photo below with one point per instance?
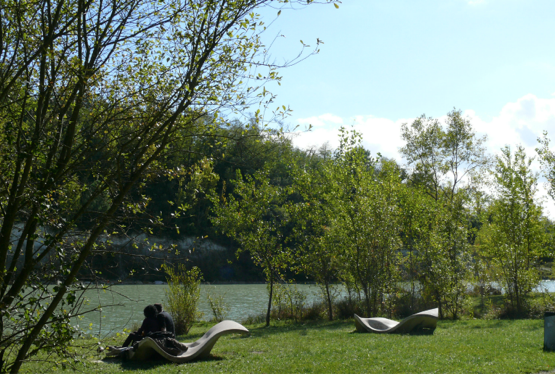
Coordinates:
(471, 346)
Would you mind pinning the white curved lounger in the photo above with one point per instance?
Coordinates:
(423, 322)
(147, 348)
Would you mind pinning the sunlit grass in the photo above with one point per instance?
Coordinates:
(472, 346)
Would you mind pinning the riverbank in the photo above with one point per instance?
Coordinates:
(122, 305)
(468, 346)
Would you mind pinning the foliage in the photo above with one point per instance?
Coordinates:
(255, 217)
(94, 94)
(447, 166)
(547, 159)
(319, 252)
(366, 220)
(54, 339)
(246, 146)
(218, 306)
(444, 160)
(289, 302)
(514, 236)
(443, 258)
(183, 295)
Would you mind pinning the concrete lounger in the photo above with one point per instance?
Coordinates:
(148, 348)
(420, 323)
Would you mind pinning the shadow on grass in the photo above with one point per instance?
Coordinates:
(301, 327)
(158, 363)
(470, 325)
(344, 325)
(473, 324)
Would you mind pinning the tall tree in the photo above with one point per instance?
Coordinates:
(547, 159)
(319, 254)
(256, 217)
(446, 161)
(514, 237)
(100, 88)
(366, 219)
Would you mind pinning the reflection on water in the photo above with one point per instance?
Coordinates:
(123, 304)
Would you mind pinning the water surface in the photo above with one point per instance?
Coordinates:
(122, 305)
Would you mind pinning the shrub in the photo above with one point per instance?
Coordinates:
(219, 307)
(288, 302)
(490, 310)
(183, 294)
(254, 319)
(539, 304)
(314, 312)
(347, 307)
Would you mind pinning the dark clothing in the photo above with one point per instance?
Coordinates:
(131, 339)
(166, 320)
(149, 325)
(168, 344)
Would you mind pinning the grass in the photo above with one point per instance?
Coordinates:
(468, 346)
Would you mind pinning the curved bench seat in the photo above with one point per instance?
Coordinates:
(147, 348)
(420, 323)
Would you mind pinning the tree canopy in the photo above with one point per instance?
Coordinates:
(93, 93)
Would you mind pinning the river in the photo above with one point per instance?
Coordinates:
(123, 304)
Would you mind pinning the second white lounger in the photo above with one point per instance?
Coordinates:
(421, 323)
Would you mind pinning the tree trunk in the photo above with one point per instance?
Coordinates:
(270, 301)
(330, 310)
(440, 307)
(517, 297)
(367, 300)
(85, 251)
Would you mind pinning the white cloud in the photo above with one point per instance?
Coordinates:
(381, 134)
(322, 120)
(378, 134)
(316, 138)
(328, 117)
(519, 122)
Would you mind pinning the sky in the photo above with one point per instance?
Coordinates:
(384, 63)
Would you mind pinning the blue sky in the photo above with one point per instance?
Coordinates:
(402, 58)
(386, 62)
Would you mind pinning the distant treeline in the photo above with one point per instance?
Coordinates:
(174, 203)
(244, 205)
(450, 216)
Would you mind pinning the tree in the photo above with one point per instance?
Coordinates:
(447, 164)
(256, 217)
(92, 95)
(514, 237)
(319, 251)
(417, 216)
(183, 294)
(444, 161)
(442, 254)
(366, 219)
(547, 159)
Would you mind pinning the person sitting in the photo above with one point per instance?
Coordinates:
(150, 324)
(165, 320)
